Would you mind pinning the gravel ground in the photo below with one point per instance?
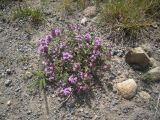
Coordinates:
(18, 60)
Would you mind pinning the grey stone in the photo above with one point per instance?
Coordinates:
(1, 29)
(154, 62)
(8, 82)
(8, 71)
(90, 11)
(154, 74)
(144, 95)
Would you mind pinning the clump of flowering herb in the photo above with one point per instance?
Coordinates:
(72, 56)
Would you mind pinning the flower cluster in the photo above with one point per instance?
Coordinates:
(72, 56)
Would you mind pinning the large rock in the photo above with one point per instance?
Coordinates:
(90, 11)
(152, 75)
(127, 88)
(137, 56)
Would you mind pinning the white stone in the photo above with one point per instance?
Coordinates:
(9, 103)
(84, 21)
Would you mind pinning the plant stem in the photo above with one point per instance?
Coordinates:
(45, 102)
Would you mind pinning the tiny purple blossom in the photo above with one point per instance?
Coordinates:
(56, 32)
(87, 37)
(81, 75)
(51, 77)
(110, 46)
(81, 88)
(72, 79)
(67, 56)
(47, 39)
(93, 58)
(42, 49)
(62, 45)
(67, 91)
(76, 66)
(45, 62)
(78, 37)
(98, 41)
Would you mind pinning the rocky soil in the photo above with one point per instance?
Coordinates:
(120, 95)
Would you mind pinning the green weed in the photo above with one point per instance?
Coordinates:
(147, 77)
(40, 81)
(34, 15)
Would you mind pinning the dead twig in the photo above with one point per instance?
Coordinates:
(155, 115)
(64, 102)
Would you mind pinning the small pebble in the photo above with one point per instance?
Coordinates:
(17, 29)
(3, 74)
(1, 29)
(9, 103)
(8, 71)
(8, 82)
(25, 68)
(29, 112)
(17, 89)
(28, 75)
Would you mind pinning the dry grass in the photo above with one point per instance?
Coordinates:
(130, 16)
(126, 13)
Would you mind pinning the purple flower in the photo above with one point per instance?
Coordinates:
(81, 75)
(76, 66)
(49, 71)
(80, 45)
(62, 45)
(45, 62)
(72, 79)
(87, 37)
(56, 32)
(42, 49)
(51, 77)
(67, 56)
(43, 45)
(98, 41)
(47, 39)
(93, 58)
(96, 52)
(67, 91)
(78, 37)
(81, 88)
(70, 27)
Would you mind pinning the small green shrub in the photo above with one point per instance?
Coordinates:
(39, 82)
(35, 15)
(147, 77)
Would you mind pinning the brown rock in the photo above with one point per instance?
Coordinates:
(127, 88)
(137, 56)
